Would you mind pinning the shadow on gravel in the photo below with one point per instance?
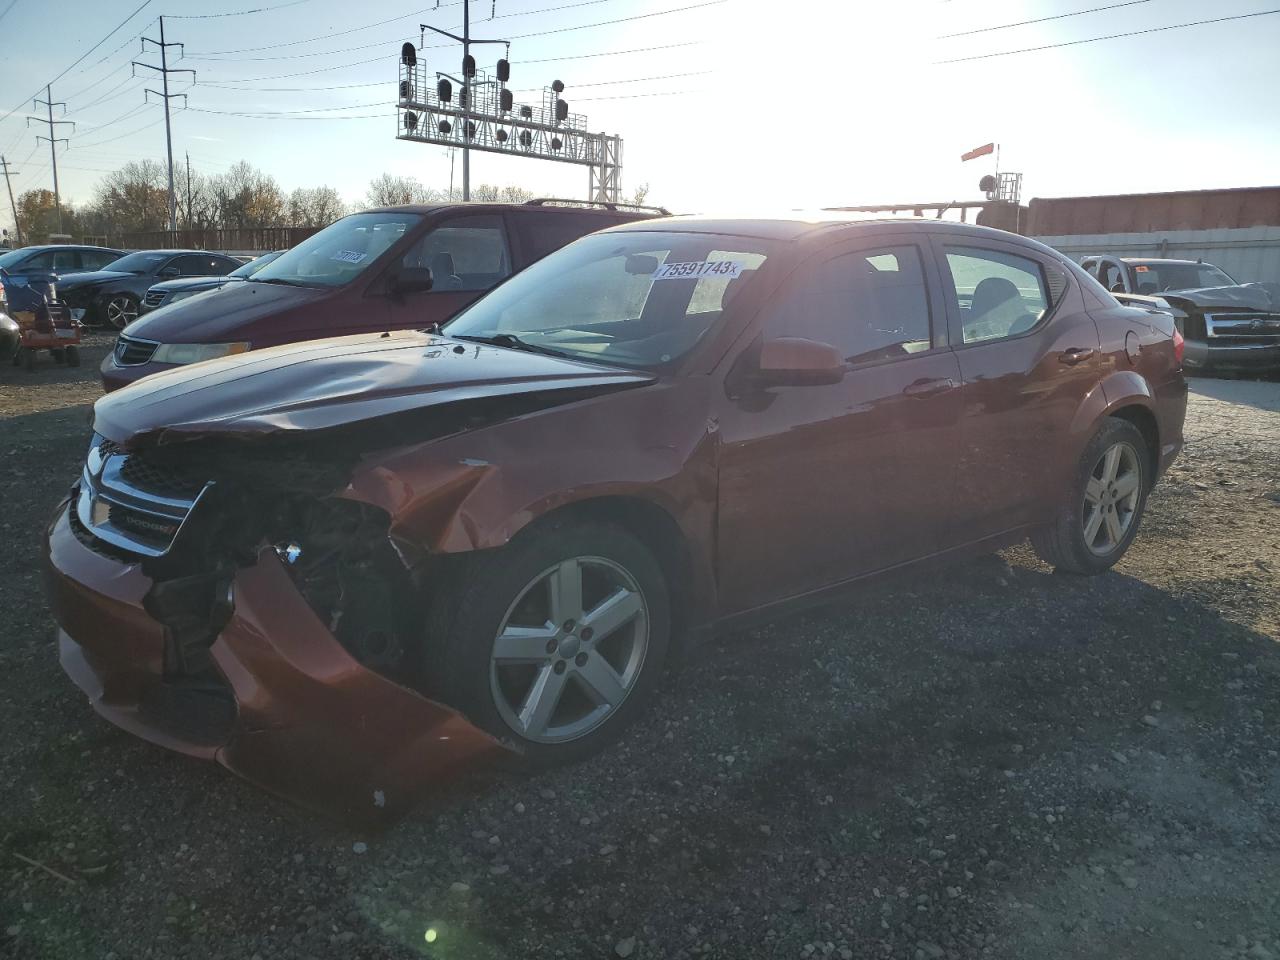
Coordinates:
(891, 773)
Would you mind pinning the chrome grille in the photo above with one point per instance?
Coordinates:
(154, 298)
(1243, 323)
(133, 504)
(131, 352)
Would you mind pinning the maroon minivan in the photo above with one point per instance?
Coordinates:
(391, 268)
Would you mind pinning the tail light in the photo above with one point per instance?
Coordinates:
(1179, 346)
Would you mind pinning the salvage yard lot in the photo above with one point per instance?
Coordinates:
(994, 761)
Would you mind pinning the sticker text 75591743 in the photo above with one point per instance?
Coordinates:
(697, 269)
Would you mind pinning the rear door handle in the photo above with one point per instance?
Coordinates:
(928, 386)
(1075, 355)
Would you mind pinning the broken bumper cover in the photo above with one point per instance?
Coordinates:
(298, 716)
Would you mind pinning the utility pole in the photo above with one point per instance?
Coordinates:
(12, 206)
(164, 70)
(467, 83)
(49, 103)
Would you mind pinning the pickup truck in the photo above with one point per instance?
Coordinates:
(1227, 325)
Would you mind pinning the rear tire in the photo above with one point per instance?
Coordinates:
(505, 634)
(73, 356)
(1104, 507)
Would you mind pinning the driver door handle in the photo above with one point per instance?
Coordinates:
(1075, 355)
(928, 386)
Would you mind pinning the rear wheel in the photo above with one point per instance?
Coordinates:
(120, 311)
(73, 356)
(1100, 519)
(557, 641)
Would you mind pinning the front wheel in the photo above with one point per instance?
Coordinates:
(557, 641)
(120, 311)
(1100, 519)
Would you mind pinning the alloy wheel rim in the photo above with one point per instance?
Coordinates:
(570, 650)
(1111, 498)
(121, 312)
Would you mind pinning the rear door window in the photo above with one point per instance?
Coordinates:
(466, 253)
(998, 294)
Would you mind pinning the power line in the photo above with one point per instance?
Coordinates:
(274, 116)
(323, 36)
(1059, 16)
(1110, 36)
(130, 133)
(635, 96)
(7, 9)
(611, 53)
(283, 113)
(607, 83)
(236, 13)
(522, 36)
(82, 57)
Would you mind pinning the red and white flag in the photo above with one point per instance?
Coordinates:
(978, 152)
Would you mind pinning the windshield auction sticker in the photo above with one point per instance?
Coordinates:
(348, 256)
(697, 269)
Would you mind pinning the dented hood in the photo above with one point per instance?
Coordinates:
(337, 382)
(1247, 296)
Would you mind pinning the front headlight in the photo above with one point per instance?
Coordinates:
(195, 352)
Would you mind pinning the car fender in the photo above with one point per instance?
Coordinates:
(477, 490)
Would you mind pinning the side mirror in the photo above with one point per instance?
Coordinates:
(168, 272)
(796, 362)
(410, 280)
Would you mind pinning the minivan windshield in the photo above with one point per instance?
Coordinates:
(340, 252)
(632, 299)
(254, 265)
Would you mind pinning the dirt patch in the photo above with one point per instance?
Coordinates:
(993, 762)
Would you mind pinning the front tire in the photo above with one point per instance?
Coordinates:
(555, 643)
(1104, 507)
(120, 310)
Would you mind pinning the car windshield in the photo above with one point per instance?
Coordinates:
(1149, 278)
(13, 258)
(138, 263)
(634, 299)
(253, 266)
(340, 252)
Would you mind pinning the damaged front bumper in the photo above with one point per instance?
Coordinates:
(284, 705)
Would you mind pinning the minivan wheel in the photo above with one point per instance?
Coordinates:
(555, 643)
(1100, 519)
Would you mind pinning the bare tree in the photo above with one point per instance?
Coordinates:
(247, 197)
(314, 207)
(388, 190)
(133, 198)
(197, 201)
(489, 193)
(638, 195)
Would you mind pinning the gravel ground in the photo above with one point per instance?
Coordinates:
(993, 762)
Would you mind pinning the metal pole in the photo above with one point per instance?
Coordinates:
(466, 50)
(53, 152)
(17, 227)
(168, 135)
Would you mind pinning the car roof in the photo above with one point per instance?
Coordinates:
(500, 207)
(793, 224)
(41, 247)
(1159, 260)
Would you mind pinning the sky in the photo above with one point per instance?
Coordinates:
(750, 105)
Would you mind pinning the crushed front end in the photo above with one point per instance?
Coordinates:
(223, 599)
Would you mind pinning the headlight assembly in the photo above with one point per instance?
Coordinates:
(195, 352)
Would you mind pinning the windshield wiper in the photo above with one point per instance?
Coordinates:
(279, 280)
(513, 342)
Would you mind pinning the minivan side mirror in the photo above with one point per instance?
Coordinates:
(796, 362)
(410, 280)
